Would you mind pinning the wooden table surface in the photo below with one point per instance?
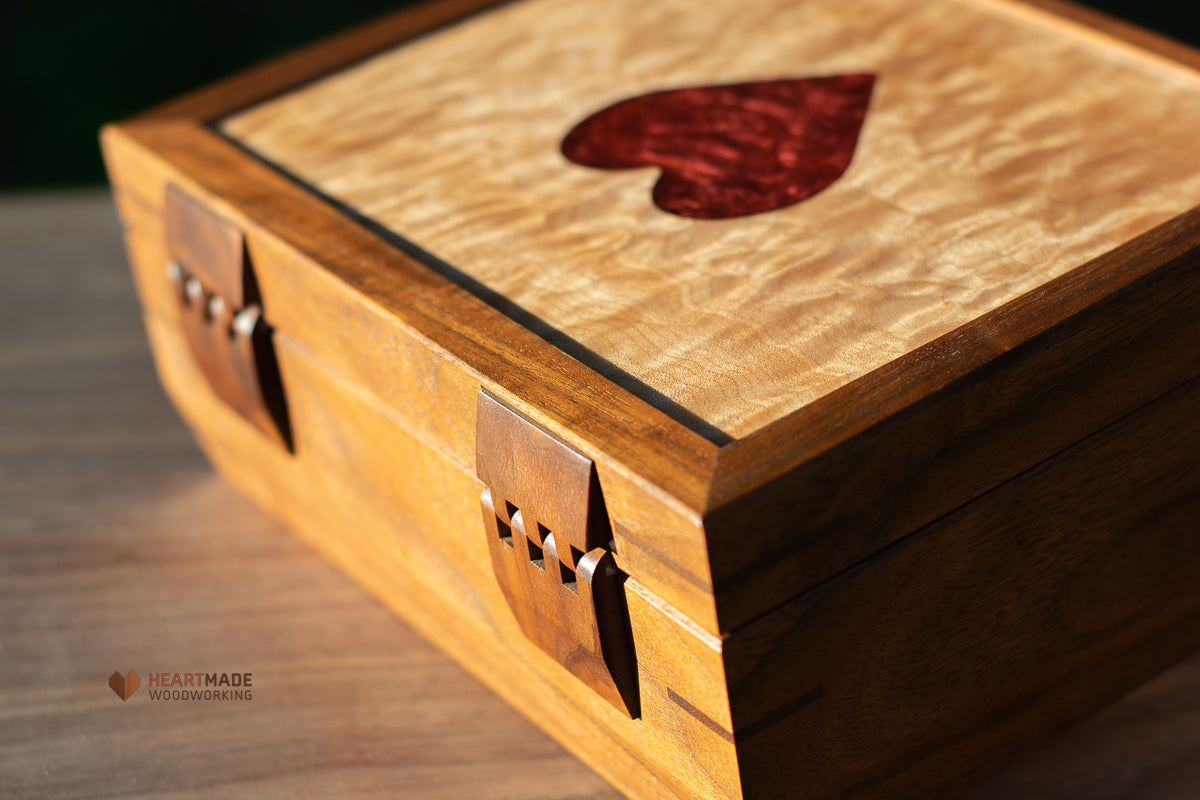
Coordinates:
(121, 550)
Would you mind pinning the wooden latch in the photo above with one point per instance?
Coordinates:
(222, 314)
(550, 542)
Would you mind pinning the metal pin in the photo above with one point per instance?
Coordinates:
(193, 289)
(216, 305)
(174, 272)
(246, 320)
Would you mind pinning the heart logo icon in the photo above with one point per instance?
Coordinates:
(124, 686)
(732, 150)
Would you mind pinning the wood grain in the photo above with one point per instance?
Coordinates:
(918, 673)
(981, 174)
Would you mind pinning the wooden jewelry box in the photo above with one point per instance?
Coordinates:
(768, 398)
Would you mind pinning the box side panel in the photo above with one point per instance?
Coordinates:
(420, 548)
(429, 391)
(958, 418)
(933, 665)
(399, 511)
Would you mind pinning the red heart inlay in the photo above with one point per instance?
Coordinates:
(729, 151)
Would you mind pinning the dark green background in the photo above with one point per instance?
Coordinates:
(65, 69)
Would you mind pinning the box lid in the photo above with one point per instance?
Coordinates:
(832, 358)
(999, 149)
